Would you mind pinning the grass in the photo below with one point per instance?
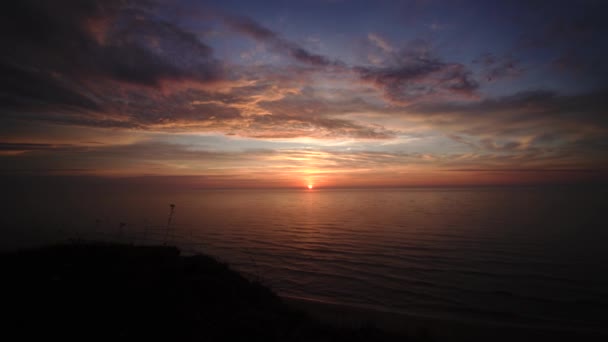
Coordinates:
(100, 291)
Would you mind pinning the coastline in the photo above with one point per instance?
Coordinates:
(106, 291)
(129, 291)
(433, 328)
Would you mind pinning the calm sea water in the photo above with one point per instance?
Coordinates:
(526, 256)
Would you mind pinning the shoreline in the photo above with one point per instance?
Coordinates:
(60, 280)
(433, 328)
(106, 291)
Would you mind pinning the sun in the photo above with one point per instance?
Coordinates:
(309, 186)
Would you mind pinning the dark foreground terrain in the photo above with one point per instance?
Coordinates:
(95, 291)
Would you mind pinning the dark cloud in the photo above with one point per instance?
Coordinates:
(585, 108)
(140, 45)
(59, 51)
(177, 110)
(309, 102)
(417, 79)
(101, 64)
(415, 73)
(189, 109)
(96, 63)
(575, 25)
(539, 170)
(23, 147)
(548, 108)
(147, 156)
(251, 28)
(569, 35)
(542, 121)
(569, 60)
(28, 87)
(495, 67)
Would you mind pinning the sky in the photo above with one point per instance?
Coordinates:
(332, 93)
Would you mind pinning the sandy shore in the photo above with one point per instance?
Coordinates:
(435, 329)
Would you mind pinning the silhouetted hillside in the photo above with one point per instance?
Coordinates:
(99, 291)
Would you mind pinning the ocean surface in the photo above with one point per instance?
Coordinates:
(524, 256)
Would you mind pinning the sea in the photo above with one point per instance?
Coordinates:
(524, 256)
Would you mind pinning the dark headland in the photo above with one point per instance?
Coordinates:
(102, 291)
(99, 291)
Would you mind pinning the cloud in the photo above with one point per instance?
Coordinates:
(544, 107)
(115, 64)
(13, 149)
(417, 79)
(283, 126)
(153, 157)
(251, 28)
(577, 26)
(414, 73)
(63, 49)
(260, 107)
(380, 42)
(568, 38)
(135, 71)
(532, 121)
(6, 146)
(26, 87)
(494, 67)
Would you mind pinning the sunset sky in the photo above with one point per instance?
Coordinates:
(334, 93)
